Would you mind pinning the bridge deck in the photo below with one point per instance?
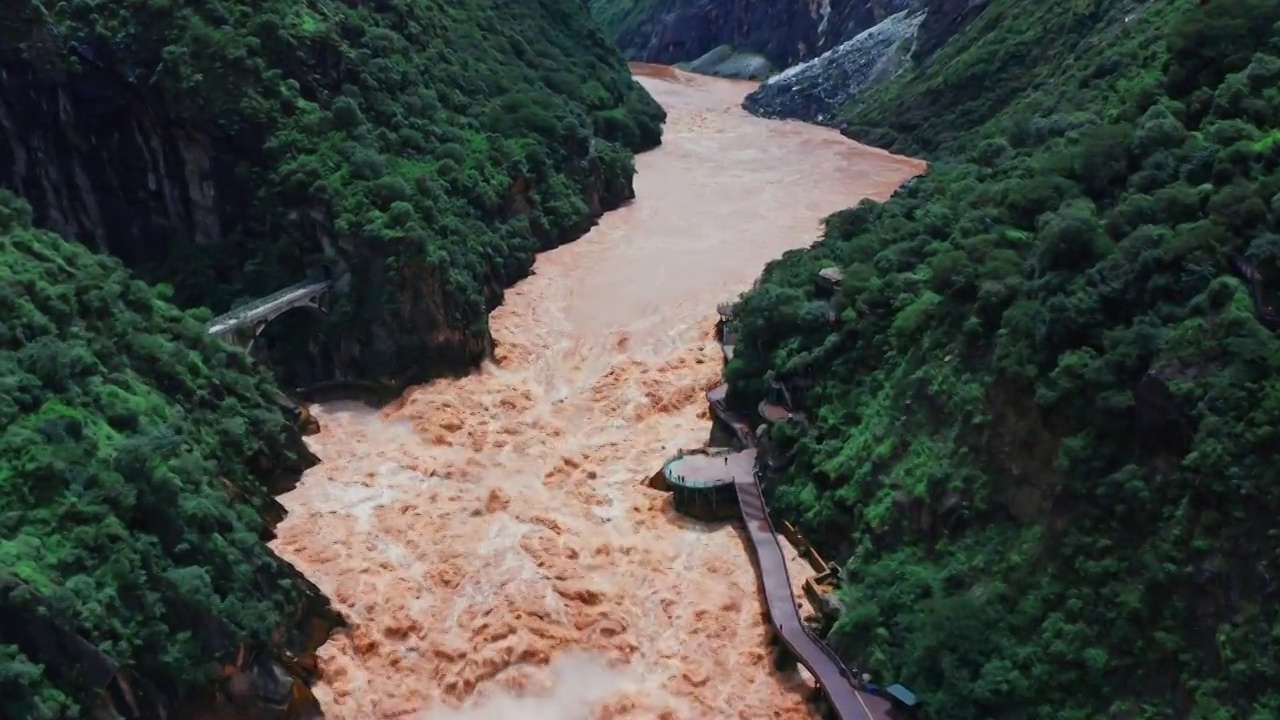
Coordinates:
(833, 677)
(264, 307)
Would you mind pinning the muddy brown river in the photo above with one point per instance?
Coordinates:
(490, 539)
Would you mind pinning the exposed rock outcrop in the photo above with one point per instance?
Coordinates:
(102, 162)
(784, 32)
(816, 89)
(831, 50)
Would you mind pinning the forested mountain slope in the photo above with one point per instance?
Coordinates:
(227, 147)
(1043, 415)
(426, 149)
(1016, 61)
(132, 453)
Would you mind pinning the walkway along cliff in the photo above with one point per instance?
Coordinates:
(697, 480)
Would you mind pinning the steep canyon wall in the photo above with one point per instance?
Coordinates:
(230, 149)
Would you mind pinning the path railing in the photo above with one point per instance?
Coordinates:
(267, 307)
(834, 679)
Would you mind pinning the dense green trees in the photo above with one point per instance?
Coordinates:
(429, 147)
(1044, 425)
(129, 445)
(433, 147)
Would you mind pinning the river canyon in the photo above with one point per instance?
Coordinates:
(490, 538)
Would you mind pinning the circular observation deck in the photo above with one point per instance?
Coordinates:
(702, 484)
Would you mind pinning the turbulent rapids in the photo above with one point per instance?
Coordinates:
(490, 538)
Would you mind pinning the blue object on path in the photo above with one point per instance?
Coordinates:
(903, 695)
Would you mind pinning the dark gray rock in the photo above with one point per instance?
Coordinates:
(784, 32)
(725, 62)
(816, 89)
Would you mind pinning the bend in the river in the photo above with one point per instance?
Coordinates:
(490, 538)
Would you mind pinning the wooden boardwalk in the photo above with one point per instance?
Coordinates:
(741, 428)
(835, 680)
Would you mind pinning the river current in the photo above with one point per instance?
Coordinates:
(490, 538)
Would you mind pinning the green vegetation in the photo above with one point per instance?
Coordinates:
(629, 20)
(1045, 422)
(1017, 59)
(131, 447)
(429, 147)
(433, 146)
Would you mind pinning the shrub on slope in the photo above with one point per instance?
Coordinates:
(432, 146)
(129, 441)
(1044, 424)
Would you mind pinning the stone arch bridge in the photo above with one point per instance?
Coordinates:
(242, 325)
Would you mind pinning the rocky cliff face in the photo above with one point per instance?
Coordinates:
(783, 31)
(105, 162)
(814, 90)
(828, 51)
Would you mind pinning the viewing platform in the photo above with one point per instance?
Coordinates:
(719, 484)
(701, 484)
